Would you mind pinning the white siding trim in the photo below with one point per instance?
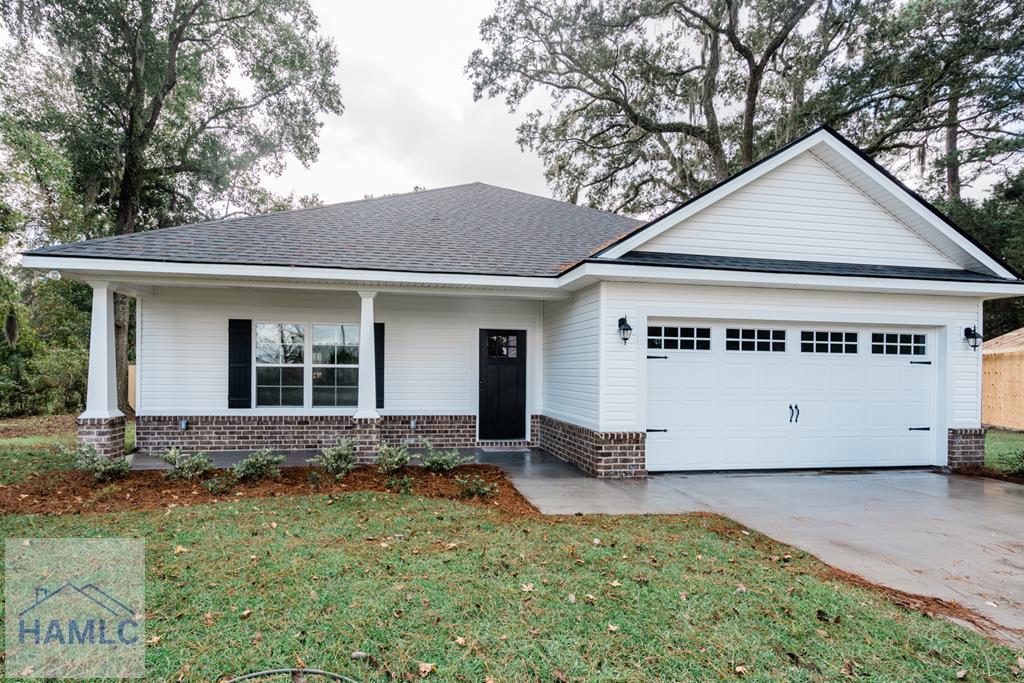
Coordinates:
(572, 356)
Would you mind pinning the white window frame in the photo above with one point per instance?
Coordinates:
(307, 370)
(312, 365)
(924, 344)
(680, 338)
(771, 339)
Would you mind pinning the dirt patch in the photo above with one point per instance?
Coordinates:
(72, 492)
(990, 473)
(37, 425)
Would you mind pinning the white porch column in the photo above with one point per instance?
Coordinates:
(101, 400)
(367, 406)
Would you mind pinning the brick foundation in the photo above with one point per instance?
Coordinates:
(106, 435)
(966, 448)
(155, 434)
(600, 454)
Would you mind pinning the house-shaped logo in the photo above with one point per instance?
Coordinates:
(78, 615)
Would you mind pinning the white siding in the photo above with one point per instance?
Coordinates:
(622, 396)
(431, 345)
(804, 211)
(572, 358)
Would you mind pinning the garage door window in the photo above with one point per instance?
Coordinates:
(679, 338)
(898, 344)
(737, 339)
(822, 341)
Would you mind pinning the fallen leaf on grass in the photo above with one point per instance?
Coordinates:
(682, 596)
(615, 584)
(612, 628)
(847, 668)
(154, 640)
(572, 598)
(459, 640)
(179, 549)
(741, 670)
(527, 587)
(962, 673)
(208, 618)
(559, 676)
(741, 589)
(245, 614)
(426, 668)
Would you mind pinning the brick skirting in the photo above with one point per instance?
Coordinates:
(106, 435)
(599, 454)
(966, 448)
(155, 434)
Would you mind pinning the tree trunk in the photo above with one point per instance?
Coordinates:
(953, 149)
(122, 320)
(749, 111)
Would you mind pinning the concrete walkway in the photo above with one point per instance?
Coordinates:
(952, 537)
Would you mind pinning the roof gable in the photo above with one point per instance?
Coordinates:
(801, 210)
(867, 193)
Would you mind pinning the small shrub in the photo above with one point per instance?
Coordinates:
(261, 464)
(338, 460)
(1014, 464)
(187, 466)
(476, 488)
(436, 460)
(402, 485)
(219, 485)
(391, 459)
(101, 467)
(315, 478)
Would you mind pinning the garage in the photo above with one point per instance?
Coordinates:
(771, 395)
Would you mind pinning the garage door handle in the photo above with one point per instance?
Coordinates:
(656, 430)
(797, 406)
(652, 357)
(790, 412)
(919, 429)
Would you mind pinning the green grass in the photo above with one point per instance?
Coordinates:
(1000, 445)
(400, 578)
(17, 463)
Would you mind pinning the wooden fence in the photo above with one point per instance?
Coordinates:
(1002, 394)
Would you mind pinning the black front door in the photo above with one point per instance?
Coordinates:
(502, 384)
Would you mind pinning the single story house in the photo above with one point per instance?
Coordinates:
(808, 312)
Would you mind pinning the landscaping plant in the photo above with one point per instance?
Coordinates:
(476, 488)
(101, 467)
(261, 464)
(391, 459)
(436, 460)
(338, 460)
(219, 484)
(402, 485)
(1015, 464)
(186, 466)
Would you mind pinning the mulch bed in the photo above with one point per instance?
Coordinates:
(37, 425)
(991, 474)
(72, 492)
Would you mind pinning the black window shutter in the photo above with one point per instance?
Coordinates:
(239, 364)
(378, 354)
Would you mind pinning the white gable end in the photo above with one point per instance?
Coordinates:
(803, 211)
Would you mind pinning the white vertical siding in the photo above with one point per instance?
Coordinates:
(572, 358)
(431, 344)
(805, 211)
(621, 397)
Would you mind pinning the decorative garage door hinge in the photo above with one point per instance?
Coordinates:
(657, 430)
(652, 357)
(920, 362)
(920, 429)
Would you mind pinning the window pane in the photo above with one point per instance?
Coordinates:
(291, 396)
(291, 377)
(347, 397)
(292, 333)
(347, 355)
(326, 334)
(347, 377)
(293, 354)
(265, 376)
(323, 396)
(323, 377)
(268, 353)
(268, 396)
(350, 335)
(323, 355)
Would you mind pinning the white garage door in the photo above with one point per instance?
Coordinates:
(746, 395)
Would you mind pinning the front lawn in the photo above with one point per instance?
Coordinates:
(1000, 445)
(255, 584)
(30, 444)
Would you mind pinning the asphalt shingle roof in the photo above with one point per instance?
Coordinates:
(474, 228)
(764, 265)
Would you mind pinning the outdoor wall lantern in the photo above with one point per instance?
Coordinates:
(624, 330)
(972, 336)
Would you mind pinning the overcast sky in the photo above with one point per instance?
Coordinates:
(410, 118)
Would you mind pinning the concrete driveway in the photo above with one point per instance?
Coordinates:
(952, 537)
